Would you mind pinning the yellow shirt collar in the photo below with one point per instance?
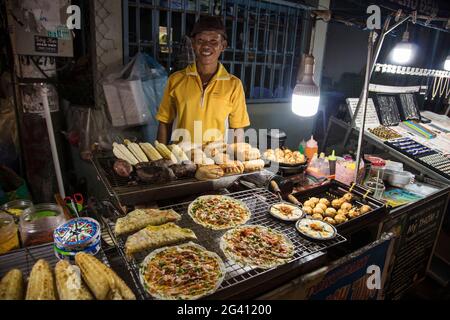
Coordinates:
(222, 74)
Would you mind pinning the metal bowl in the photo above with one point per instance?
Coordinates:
(297, 226)
(286, 219)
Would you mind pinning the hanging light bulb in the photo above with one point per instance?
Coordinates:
(403, 52)
(447, 63)
(306, 95)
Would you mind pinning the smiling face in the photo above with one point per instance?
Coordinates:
(208, 46)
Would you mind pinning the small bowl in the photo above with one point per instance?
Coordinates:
(310, 237)
(286, 218)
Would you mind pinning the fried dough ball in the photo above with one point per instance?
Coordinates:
(325, 202)
(348, 197)
(340, 218)
(330, 220)
(365, 209)
(318, 211)
(354, 213)
(346, 206)
(315, 200)
(342, 212)
(337, 203)
(330, 212)
(308, 210)
(317, 217)
(310, 204)
(322, 206)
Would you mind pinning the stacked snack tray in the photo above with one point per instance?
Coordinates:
(437, 162)
(410, 147)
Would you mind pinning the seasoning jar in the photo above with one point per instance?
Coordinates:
(9, 239)
(16, 207)
(38, 223)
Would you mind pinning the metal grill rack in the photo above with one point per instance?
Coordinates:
(258, 201)
(24, 259)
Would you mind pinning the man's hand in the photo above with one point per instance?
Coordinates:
(164, 132)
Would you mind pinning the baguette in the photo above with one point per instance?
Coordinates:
(11, 286)
(41, 285)
(210, 172)
(69, 284)
(254, 165)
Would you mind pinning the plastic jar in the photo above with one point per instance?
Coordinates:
(9, 239)
(17, 207)
(38, 223)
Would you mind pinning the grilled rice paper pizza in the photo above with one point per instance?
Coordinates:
(286, 212)
(154, 237)
(184, 272)
(141, 218)
(219, 212)
(257, 246)
(316, 229)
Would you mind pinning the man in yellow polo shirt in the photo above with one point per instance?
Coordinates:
(203, 100)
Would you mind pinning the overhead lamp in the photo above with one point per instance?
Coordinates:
(403, 52)
(306, 95)
(447, 63)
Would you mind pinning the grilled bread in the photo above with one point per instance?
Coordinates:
(11, 286)
(69, 284)
(41, 285)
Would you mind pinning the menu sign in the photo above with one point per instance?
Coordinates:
(418, 231)
(45, 44)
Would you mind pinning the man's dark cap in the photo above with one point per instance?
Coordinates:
(209, 23)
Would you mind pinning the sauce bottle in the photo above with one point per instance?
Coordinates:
(311, 148)
(332, 160)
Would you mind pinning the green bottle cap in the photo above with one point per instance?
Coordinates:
(333, 156)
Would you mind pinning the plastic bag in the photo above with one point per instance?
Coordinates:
(133, 96)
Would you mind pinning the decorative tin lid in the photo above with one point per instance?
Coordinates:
(77, 232)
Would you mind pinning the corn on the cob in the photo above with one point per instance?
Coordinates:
(41, 284)
(179, 154)
(11, 286)
(150, 151)
(121, 152)
(120, 291)
(93, 275)
(136, 150)
(69, 283)
(165, 152)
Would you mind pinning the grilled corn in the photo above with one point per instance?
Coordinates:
(136, 150)
(122, 153)
(11, 286)
(165, 152)
(93, 275)
(103, 281)
(150, 151)
(179, 154)
(69, 283)
(41, 284)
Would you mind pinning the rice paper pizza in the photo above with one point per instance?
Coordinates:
(184, 272)
(219, 212)
(257, 246)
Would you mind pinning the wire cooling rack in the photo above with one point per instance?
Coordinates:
(259, 202)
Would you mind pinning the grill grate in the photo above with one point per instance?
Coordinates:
(24, 259)
(258, 201)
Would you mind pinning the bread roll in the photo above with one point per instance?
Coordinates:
(210, 172)
(232, 167)
(254, 165)
(248, 154)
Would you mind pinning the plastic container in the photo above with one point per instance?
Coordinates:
(9, 238)
(77, 235)
(345, 171)
(312, 148)
(38, 223)
(376, 188)
(399, 179)
(16, 207)
(332, 161)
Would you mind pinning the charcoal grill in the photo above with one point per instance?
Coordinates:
(238, 278)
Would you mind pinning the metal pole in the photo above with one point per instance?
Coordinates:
(365, 96)
(51, 137)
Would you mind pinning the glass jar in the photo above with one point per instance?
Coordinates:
(9, 238)
(16, 207)
(38, 223)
